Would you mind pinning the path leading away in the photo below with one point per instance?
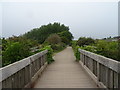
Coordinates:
(65, 72)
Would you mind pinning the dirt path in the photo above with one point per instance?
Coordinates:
(65, 72)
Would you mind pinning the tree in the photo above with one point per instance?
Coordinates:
(66, 36)
(42, 33)
(53, 39)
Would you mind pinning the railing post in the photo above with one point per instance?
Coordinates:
(119, 81)
(98, 71)
(30, 72)
(119, 76)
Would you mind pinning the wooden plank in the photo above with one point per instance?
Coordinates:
(111, 79)
(110, 63)
(98, 71)
(15, 67)
(36, 56)
(65, 73)
(115, 80)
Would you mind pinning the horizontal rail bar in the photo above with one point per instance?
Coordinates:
(104, 71)
(110, 63)
(11, 69)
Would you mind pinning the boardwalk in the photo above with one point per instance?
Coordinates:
(65, 73)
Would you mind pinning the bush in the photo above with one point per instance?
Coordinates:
(75, 49)
(108, 49)
(49, 54)
(53, 39)
(90, 48)
(77, 53)
(15, 52)
(85, 41)
(104, 48)
(58, 47)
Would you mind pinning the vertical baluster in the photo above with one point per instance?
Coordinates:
(98, 71)
(115, 80)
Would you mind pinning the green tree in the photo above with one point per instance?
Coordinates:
(42, 33)
(66, 36)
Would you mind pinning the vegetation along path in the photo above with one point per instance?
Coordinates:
(65, 72)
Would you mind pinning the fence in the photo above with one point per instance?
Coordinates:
(23, 73)
(104, 71)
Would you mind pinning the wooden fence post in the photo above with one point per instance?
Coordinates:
(119, 76)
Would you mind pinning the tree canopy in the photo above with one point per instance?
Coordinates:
(42, 33)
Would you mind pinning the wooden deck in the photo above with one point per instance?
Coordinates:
(65, 72)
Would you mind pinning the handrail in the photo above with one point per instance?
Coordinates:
(26, 68)
(104, 71)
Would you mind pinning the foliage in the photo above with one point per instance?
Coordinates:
(49, 54)
(14, 52)
(75, 49)
(102, 47)
(53, 39)
(90, 48)
(66, 37)
(28, 42)
(65, 40)
(107, 49)
(42, 33)
(4, 44)
(77, 53)
(85, 41)
(58, 47)
(16, 48)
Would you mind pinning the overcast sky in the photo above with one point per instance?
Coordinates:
(90, 19)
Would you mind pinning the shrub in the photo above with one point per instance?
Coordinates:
(58, 47)
(108, 49)
(53, 39)
(49, 54)
(14, 52)
(85, 41)
(90, 48)
(77, 53)
(75, 49)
